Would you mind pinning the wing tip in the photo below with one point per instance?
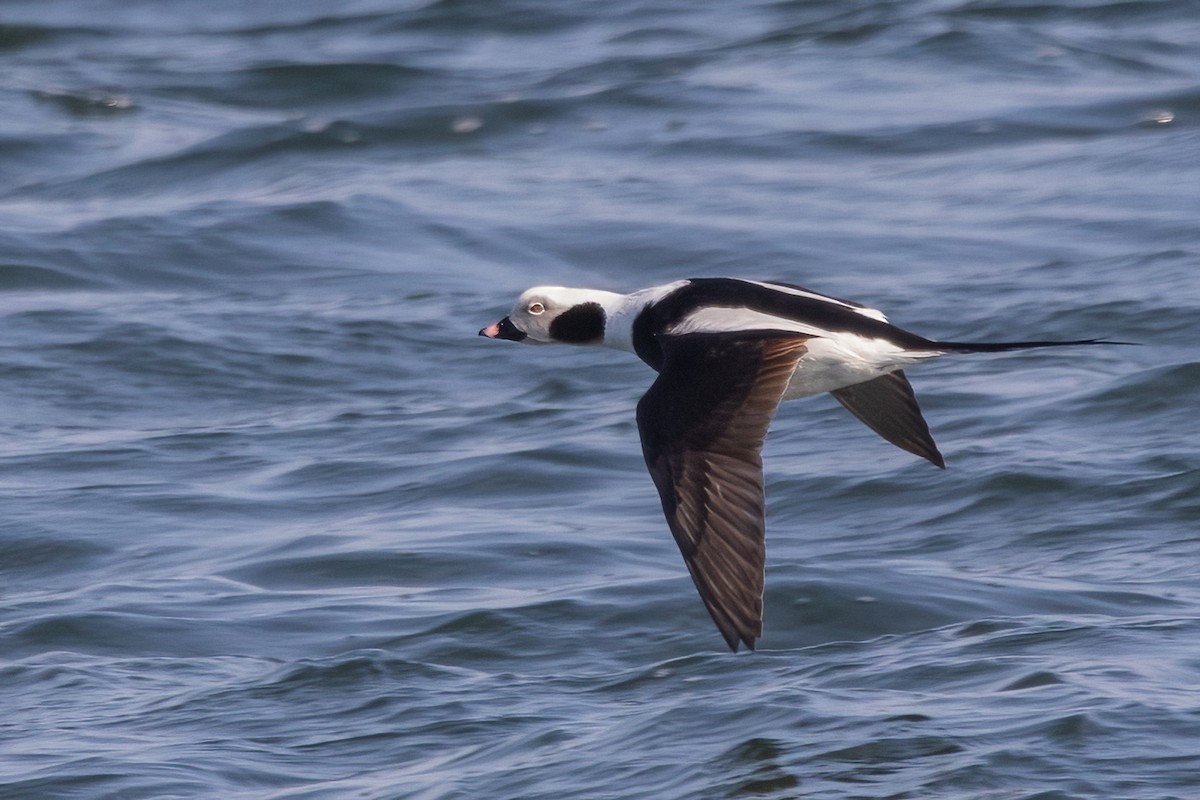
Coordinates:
(735, 635)
(735, 641)
(935, 457)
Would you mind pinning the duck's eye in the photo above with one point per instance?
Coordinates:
(536, 308)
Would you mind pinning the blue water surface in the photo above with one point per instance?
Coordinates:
(275, 523)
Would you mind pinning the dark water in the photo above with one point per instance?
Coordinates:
(277, 524)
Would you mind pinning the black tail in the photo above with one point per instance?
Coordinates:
(1000, 347)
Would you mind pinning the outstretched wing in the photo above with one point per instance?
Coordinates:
(702, 425)
(888, 406)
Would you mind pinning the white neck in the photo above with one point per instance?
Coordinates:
(622, 309)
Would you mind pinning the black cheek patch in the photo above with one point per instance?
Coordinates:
(579, 324)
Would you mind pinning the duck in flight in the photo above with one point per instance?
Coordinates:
(727, 352)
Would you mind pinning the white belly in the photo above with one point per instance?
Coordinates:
(834, 362)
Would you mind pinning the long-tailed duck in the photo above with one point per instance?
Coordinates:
(727, 351)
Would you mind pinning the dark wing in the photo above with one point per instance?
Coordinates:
(702, 425)
(888, 406)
